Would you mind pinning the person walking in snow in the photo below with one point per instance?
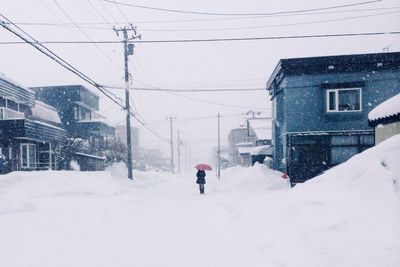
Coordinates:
(201, 180)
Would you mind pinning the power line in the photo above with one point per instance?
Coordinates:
(216, 103)
(241, 14)
(219, 39)
(187, 90)
(226, 28)
(272, 25)
(87, 36)
(46, 51)
(90, 25)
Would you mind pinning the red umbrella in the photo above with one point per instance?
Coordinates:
(203, 167)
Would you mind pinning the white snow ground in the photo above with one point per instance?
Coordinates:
(349, 216)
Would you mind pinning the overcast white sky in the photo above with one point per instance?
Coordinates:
(244, 64)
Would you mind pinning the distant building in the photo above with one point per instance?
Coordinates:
(243, 151)
(30, 131)
(238, 136)
(321, 106)
(386, 119)
(121, 137)
(260, 129)
(78, 108)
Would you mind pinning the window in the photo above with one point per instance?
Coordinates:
(76, 113)
(343, 100)
(28, 156)
(340, 154)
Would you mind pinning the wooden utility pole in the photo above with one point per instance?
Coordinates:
(179, 153)
(172, 144)
(128, 50)
(219, 149)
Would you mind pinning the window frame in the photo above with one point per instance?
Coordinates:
(30, 163)
(336, 93)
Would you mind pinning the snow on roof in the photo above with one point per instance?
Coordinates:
(262, 128)
(5, 78)
(261, 150)
(244, 149)
(45, 112)
(244, 144)
(387, 108)
(89, 156)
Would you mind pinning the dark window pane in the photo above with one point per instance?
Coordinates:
(349, 100)
(341, 154)
(332, 101)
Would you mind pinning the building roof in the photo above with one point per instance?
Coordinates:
(244, 144)
(339, 63)
(7, 79)
(386, 109)
(244, 149)
(261, 150)
(45, 112)
(89, 89)
(12, 90)
(262, 128)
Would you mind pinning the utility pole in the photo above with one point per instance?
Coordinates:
(179, 153)
(219, 149)
(172, 144)
(186, 157)
(128, 50)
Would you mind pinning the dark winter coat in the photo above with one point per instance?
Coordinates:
(201, 177)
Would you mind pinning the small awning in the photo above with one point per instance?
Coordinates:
(261, 150)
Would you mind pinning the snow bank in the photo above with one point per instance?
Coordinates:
(348, 216)
(251, 179)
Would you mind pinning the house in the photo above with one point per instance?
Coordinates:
(260, 129)
(78, 108)
(236, 138)
(121, 137)
(30, 132)
(243, 151)
(386, 119)
(321, 106)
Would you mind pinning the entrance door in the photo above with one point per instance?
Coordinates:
(308, 157)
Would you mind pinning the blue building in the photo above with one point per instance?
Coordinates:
(78, 108)
(30, 131)
(321, 106)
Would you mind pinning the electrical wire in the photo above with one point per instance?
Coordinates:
(46, 51)
(90, 25)
(87, 36)
(216, 103)
(242, 14)
(233, 39)
(197, 90)
(272, 25)
(229, 28)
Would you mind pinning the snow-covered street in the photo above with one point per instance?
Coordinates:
(348, 217)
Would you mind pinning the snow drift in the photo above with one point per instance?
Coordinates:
(348, 216)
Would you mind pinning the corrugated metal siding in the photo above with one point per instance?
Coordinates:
(34, 130)
(9, 90)
(44, 132)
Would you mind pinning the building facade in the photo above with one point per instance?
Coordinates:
(78, 109)
(30, 132)
(321, 106)
(238, 138)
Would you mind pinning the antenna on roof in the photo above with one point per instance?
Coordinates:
(387, 48)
